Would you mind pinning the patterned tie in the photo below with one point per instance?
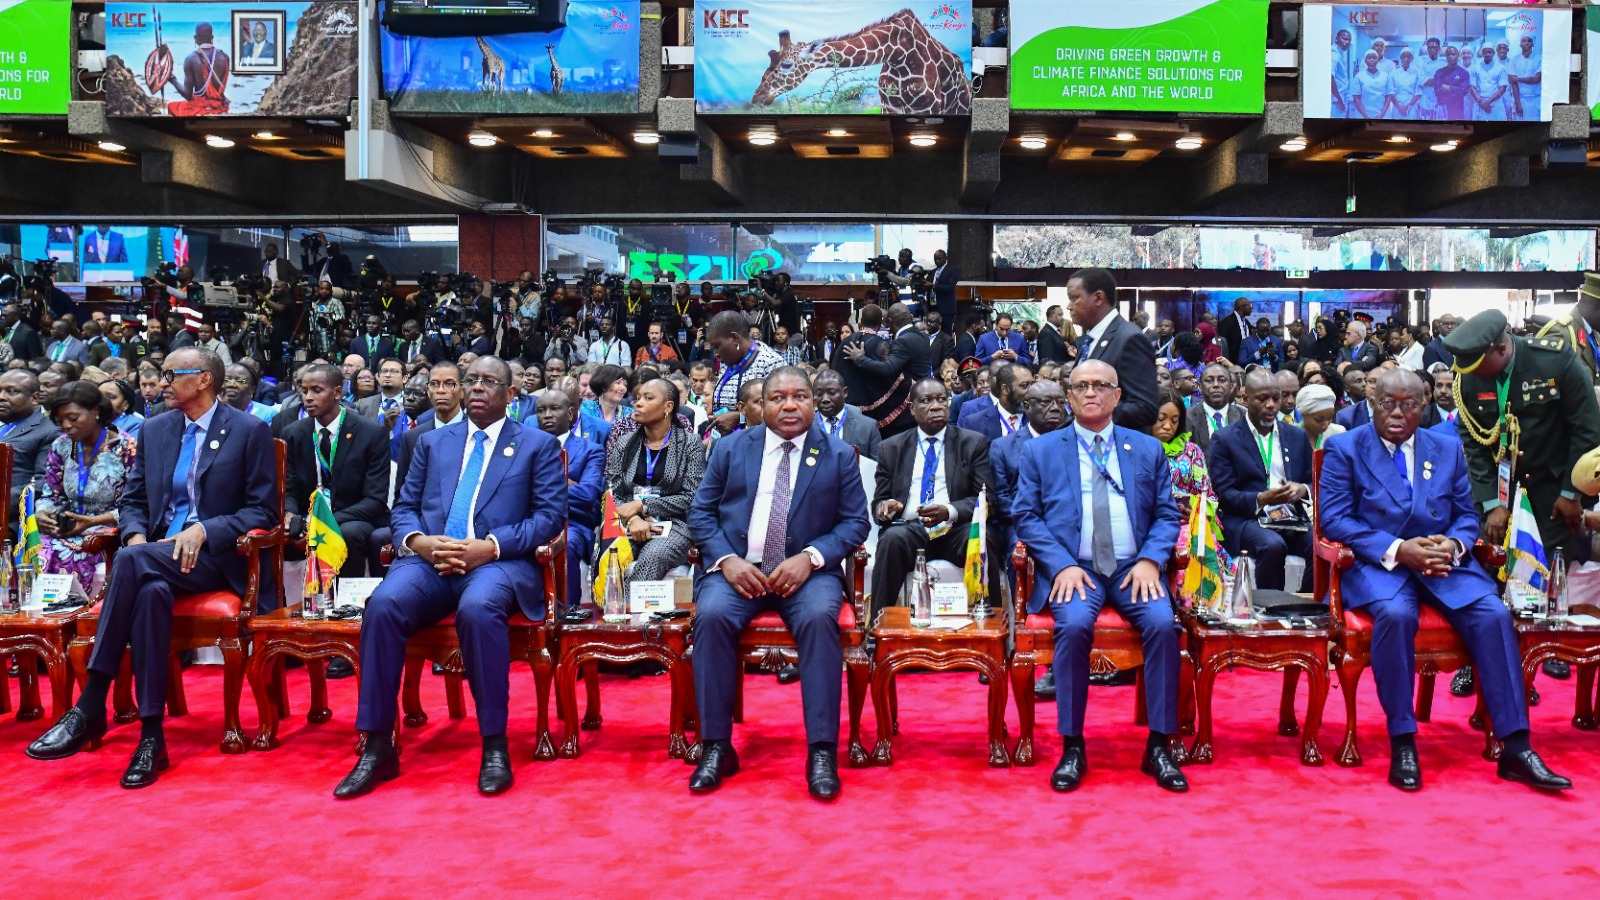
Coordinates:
(1084, 343)
(774, 551)
(1402, 468)
(183, 481)
(1105, 555)
(930, 468)
(1217, 418)
(461, 507)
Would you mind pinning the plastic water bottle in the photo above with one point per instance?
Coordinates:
(10, 601)
(24, 586)
(921, 593)
(1241, 602)
(616, 607)
(1557, 606)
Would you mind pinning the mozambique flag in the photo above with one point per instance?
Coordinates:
(1202, 579)
(325, 547)
(28, 547)
(612, 537)
(977, 585)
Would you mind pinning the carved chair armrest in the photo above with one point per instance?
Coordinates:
(1024, 591)
(253, 542)
(858, 587)
(250, 545)
(1490, 556)
(1335, 554)
(551, 560)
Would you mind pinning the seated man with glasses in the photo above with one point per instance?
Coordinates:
(480, 496)
(202, 478)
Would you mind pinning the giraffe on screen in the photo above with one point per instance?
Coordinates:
(494, 68)
(558, 79)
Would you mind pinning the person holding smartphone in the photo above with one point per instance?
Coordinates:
(85, 470)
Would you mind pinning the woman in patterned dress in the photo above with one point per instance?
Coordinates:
(653, 473)
(1190, 480)
(85, 471)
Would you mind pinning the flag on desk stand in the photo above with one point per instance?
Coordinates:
(977, 585)
(1202, 579)
(1525, 557)
(325, 547)
(28, 547)
(612, 535)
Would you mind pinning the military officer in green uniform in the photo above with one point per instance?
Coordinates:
(1581, 327)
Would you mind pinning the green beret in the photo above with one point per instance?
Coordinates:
(1471, 338)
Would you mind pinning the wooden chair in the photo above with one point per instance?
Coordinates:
(1116, 648)
(210, 619)
(1438, 647)
(767, 643)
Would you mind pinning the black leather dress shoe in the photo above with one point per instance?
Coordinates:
(494, 773)
(788, 674)
(1405, 769)
(1462, 684)
(1069, 771)
(1533, 696)
(717, 761)
(1529, 769)
(339, 667)
(371, 769)
(1158, 764)
(1119, 678)
(1044, 687)
(822, 773)
(148, 762)
(74, 732)
(1557, 668)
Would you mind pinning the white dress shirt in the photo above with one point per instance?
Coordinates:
(1122, 543)
(493, 432)
(941, 488)
(1098, 331)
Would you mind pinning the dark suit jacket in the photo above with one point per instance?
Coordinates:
(984, 418)
(25, 342)
(586, 474)
(1436, 353)
(116, 248)
(828, 510)
(966, 470)
(859, 430)
(1237, 474)
(184, 338)
(908, 361)
(1128, 351)
(360, 480)
(1368, 358)
(1353, 416)
(1229, 330)
(233, 479)
(358, 347)
(483, 346)
(1052, 346)
(408, 447)
(1005, 458)
(942, 347)
(966, 345)
(1197, 421)
(861, 387)
(989, 345)
(944, 288)
(30, 443)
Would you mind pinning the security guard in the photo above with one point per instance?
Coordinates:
(1579, 328)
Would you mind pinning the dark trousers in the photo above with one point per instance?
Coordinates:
(362, 558)
(1491, 638)
(580, 541)
(412, 597)
(896, 556)
(137, 614)
(1268, 547)
(1074, 634)
(812, 616)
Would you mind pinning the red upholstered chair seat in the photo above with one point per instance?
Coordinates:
(1428, 619)
(1108, 619)
(208, 605)
(771, 619)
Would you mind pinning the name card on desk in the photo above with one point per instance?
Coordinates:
(49, 589)
(355, 591)
(651, 596)
(950, 599)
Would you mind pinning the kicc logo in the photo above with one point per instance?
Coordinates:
(723, 19)
(946, 17)
(126, 19)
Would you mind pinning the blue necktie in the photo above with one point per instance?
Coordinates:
(930, 465)
(1084, 344)
(181, 475)
(461, 507)
(1400, 466)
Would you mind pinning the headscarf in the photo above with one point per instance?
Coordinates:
(1313, 398)
(1208, 341)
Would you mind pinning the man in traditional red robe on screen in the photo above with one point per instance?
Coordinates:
(205, 79)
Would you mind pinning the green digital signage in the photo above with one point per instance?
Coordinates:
(35, 56)
(1200, 56)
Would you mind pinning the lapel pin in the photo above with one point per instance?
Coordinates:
(1427, 464)
(510, 452)
(811, 460)
(1127, 446)
(1426, 474)
(215, 444)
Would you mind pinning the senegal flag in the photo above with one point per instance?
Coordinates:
(977, 585)
(28, 547)
(1202, 580)
(325, 547)
(612, 537)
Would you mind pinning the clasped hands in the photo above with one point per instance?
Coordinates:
(930, 514)
(635, 521)
(1430, 555)
(747, 579)
(1073, 581)
(449, 556)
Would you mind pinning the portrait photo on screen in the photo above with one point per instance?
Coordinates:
(116, 253)
(258, 42)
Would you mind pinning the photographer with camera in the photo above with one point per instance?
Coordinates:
(1262, 347)
(780, 297)
(282, 319)
(568, 346)
(608, 349)
(897, 274)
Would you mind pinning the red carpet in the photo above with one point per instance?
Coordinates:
(619, 821)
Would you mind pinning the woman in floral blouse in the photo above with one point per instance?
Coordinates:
(85, 471)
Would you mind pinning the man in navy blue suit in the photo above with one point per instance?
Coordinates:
(586, 470)
(373, 346)
(766, 550)
(1003, 343)
(203, 477)
(1046, 410)
(481, 496)
(1005, 416)
(1400, 499)
(1359, 412)
(1261, 465)
(1094, 506)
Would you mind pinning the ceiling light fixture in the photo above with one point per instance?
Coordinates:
(1189, 142)
(265, 136)
(543, 133)
(923, 140)
(1293, 145)
(646, 137)
(1399, 139)
(763, 138)
(112, 147)
(221, 143)
(1124, 136)
(838, 132)
(1443, 148)
(1034, 143)
(481, 139)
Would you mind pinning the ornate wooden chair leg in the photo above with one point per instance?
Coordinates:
(177, 701)
(544, 671)
(858, 673)
(1425, 696)
(411, 693)
(1310, 753)
(1349, 680)
(256, 674)
(452, 695)
(567, 676)
(280, 686)
(591, 696)
(60, 685)
(1141, 714)
(5, 683)
(233, 660)
(29, 705)
(1205, 680)
(319, 711)
(126, 710)
(1022, 690)
(1583, 709)
(1287, 726)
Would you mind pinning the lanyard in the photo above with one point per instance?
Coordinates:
(605, 350)
(1005, 421)
(736, 370)
(1589, 340)
(652, 350)
(651, 458)
(838, 424)
(61, 347)
(928, 478)
(1100, 464)
(372, 345)
(1266, 449)
(7, 428)
(83, 467)
(333, 446)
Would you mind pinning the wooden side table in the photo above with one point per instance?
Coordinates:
(1268, 647)
(635, 640)
(1577, 645)
(280, 633)
(979, 646)
(33, 633)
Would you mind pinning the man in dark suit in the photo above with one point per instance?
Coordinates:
(336, 267)
(1235, 328)
(277, 268)
(1052, 343)
(908, 362)
(413, 345)
(1258, 464)
(767, 548)
(1045, 406)
(1401, 500)
(445, 389)
(346, 453)
(374, 345)
(1357, 350)
(1094, 507)
(387, 406)
(941, 345)
(1003, 343)
(23, 338)
(25, 427)
(841, 420)
(202, 479)
(1216, 409)
(1436, 352)
(944, 280)
(480, 343)
(1108, 337)
(926, 492)
(104, 246)
(586, 464)
(967, 342)
(1005, 415)
(480, 498)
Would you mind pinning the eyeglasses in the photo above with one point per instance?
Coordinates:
(1084, 388)
(238, 381)
(472, 381)
(1410, 406)
(169, 375)
(435, 385)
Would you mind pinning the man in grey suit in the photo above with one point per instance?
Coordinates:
(388, 400)
(24, 426)
(1216, 409)
(1359, 351)
(841, 420)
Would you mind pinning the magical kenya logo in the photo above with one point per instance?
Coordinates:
(946, 17)
(613, 20)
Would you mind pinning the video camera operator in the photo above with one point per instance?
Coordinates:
(780, 297)
(281, 316)
(568, 345)
(899, 275)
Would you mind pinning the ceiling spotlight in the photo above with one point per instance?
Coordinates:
(543, 133)
(1124, 136)
(646, 137)
(763, 138)
(1034, 143)
(112, 147)
(1399, 139)
(481, 139)
(265, 136)
(221, 143)
(1189, 142)
(923, 140)
(1293, 145)
(838, 132)
(1443, 148)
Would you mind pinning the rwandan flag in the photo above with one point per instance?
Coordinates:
(1525, 556)
(977, 586)
(325, 547)
(28, 548)
(612, 537)
(1202, 579)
